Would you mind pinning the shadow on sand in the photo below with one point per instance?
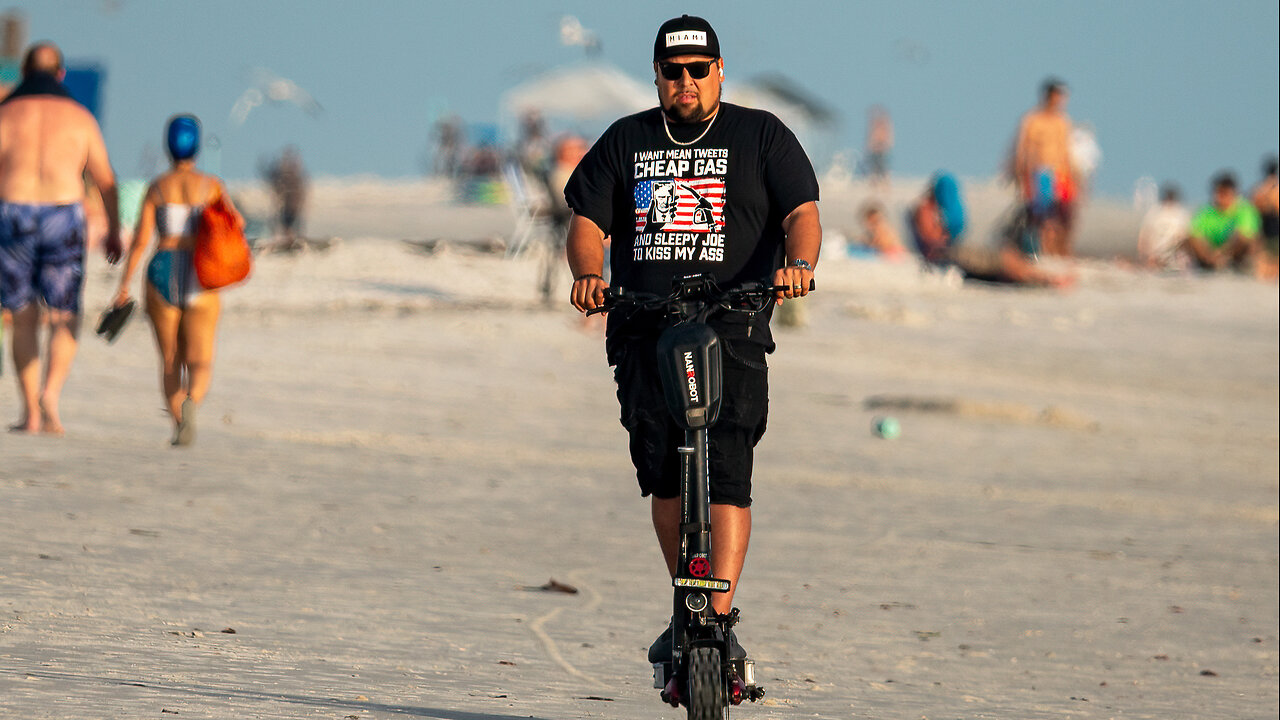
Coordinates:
(304, 700)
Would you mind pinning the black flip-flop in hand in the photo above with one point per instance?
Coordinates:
(114, 320)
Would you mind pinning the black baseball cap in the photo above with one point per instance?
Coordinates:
(685, 35)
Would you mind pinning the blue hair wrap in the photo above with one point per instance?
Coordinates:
(946, 191)
(183, 137)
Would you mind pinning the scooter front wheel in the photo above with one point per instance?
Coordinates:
(706, 696)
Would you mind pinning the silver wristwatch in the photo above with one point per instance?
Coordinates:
(802, 264)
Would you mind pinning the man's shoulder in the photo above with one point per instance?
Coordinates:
(62, 108)
(57, 101)
(1207, 216)
(1206, 211)
(1043, 117)
(757, 125)
(1243, 210)
(742, 114)
(1163, 214)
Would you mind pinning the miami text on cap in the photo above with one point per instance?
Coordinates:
(685, 35)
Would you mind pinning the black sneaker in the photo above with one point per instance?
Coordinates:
(660, 650)
(736, 652)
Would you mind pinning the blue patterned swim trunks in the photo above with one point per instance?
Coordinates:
(41, 253)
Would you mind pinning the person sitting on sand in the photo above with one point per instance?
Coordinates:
(184, 314)
(1266, 198)
(1164, 232)
(881, 238)
(938, 224)
(1224, 232)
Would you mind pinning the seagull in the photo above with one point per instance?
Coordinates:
(572, 33)
(269, 87)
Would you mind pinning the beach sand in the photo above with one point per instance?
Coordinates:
(401, 448)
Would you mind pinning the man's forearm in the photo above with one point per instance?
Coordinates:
(584, 248)
(804, 234)
(111, 204)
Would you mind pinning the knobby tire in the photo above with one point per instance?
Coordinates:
(706, 685)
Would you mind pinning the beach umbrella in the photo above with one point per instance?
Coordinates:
(580, 94)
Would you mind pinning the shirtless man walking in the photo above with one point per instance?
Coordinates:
(1042, 168)
(48, 142)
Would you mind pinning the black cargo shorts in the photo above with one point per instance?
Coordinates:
(655, 435)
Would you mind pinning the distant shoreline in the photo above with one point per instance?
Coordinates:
(422, 208)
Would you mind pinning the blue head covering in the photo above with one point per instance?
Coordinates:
(183, 137)
(946, 191)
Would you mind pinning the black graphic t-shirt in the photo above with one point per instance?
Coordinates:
(713, 206)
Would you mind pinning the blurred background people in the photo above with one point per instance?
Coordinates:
(533, 147)
(938, 223)
(288, 182)
(1163, 235)
(880, 236)
(875, 162)
(1086, 157)
(1266, 199)
(480, 173)
(567, 152)
(447, 140)
(1225, 231)
(183, 314)
(1042, 169)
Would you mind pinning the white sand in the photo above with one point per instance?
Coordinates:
(399, 448)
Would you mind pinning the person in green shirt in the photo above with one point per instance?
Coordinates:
(1226, 230)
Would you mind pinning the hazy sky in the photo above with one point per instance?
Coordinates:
(1175, 90)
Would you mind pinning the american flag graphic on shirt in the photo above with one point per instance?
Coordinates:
(698, 205)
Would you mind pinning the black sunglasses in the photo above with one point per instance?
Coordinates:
(697, 70)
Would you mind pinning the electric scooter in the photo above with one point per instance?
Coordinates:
(700, 675)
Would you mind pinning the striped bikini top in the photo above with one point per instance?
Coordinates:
(177, 218)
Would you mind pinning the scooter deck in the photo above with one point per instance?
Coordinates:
(742, 680)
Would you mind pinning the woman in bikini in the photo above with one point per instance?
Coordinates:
(184, 314)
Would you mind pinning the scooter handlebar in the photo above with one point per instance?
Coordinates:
(783, 288)
(615, 296)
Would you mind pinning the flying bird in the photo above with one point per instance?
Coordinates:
(267, 87)
(572, 33)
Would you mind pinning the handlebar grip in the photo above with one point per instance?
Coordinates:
(783, 288)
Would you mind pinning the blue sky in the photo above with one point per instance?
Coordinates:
(1175, 90)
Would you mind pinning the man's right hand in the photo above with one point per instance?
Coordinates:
(113, 246)
(588, 292)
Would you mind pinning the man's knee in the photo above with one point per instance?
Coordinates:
(25, 313)
(63, 321)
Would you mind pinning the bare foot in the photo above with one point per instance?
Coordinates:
(186, 430)
(25, 426)
(50, 424)
(1062, 282)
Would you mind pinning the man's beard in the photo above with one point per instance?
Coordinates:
(691, 114)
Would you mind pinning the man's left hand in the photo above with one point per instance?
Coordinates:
(795, 279)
